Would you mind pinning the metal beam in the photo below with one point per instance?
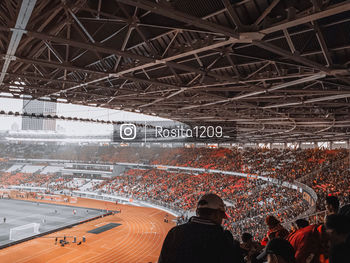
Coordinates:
(17, 33)
(125, 42)
(307, 18)
(273, 28)
(104, 74)
(37, 49)
(149, 61)
(80, 25)
(322, 43)
(180, 16)
(233, 14)
(284, 53)
(168, 61)
(319, 99)
(57, 55)
(64, 66)
(289, 40)
(266, 12)
(276, 38)
(280, 86)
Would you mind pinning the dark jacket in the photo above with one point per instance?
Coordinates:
(198, 241)
(341, 252)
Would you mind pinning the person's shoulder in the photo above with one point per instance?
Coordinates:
(180, 227)
(304, 230)
(181, 230)
(195, 226)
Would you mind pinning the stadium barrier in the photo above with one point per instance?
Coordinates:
(49, 197)
(102, 197)
(27, 188)
(73, 200)
(309, 195)
(125, 200)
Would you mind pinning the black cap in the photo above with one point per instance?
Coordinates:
(280, 247)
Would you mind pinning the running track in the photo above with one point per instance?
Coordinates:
(137, 240)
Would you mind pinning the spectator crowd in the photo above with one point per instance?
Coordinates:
(257, 211)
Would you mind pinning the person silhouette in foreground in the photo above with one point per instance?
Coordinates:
(278, 250)
(338, 229)
(202, 239)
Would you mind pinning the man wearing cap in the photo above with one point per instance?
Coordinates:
(202, 239)
(278, 250)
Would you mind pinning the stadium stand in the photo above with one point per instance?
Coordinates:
(248, 201)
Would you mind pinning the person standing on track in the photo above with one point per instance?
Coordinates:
(202, 239)
(4, 220)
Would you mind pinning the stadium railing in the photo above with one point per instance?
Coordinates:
(127, 200)
(314, 218)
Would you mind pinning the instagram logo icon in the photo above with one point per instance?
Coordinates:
(128, 131)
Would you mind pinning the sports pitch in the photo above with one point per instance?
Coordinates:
(19, 213)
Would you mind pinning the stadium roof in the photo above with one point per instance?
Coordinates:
(277, 70)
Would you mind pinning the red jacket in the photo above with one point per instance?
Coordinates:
(306, 241)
